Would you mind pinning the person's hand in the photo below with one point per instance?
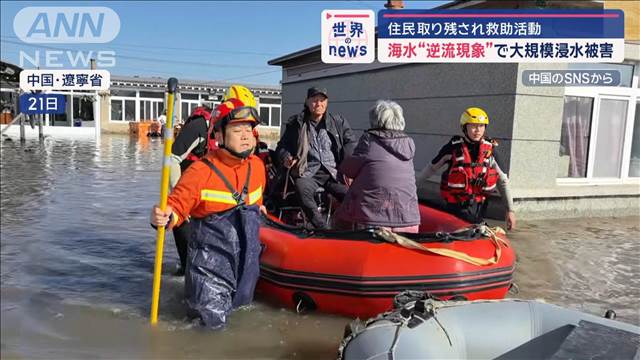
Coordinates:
(348, 181)
(263, 210)
(511, 220)
(159, 217)
(289, 162)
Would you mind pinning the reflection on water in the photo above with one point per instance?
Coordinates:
(587, 264)
(77, 259)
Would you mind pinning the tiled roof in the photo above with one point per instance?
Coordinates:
(186, 84)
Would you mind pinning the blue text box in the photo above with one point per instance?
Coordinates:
(31, 104)
(553, 24)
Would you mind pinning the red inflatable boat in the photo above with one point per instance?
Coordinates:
(357, 274)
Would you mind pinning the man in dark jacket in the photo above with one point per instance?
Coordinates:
(312, 146)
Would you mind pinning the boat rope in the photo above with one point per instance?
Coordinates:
(392, 349)
(446, 333)
(494, 234)
(514, 289)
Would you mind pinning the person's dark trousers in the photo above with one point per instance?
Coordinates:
(473, 212)
(223, 264)
(306, 188)
(181, 235)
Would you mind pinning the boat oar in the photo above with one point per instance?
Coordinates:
(164, 194)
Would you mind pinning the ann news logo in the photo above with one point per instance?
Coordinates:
(348, 36)
(66, 25)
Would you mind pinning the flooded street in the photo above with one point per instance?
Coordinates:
(590, 264)
(77, 258)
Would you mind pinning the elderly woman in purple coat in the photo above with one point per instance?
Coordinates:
(383, 193)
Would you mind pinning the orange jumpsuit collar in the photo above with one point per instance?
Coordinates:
(232, 161)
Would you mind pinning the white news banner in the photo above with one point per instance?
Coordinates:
(93, 80)
(416, 50)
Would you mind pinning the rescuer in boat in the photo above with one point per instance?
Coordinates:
(192, 144)
(312, 146)
(383, 192)
(472, 171)
(222, 194)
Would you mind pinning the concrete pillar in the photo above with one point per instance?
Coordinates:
(137, 105)
(40, 127)
(105, 110)
(22, 136)
(96, 108)
(177, 110)
(70, 110)
(97, 116)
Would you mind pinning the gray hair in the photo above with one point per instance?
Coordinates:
(386, 114)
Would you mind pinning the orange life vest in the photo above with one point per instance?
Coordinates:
(202, 191)
(468, 180)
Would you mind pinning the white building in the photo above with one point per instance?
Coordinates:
(135, 99)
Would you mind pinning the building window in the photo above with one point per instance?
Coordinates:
(187, 96)
(185, 111)
(150, 109)
(599, 140)
(123, 110)
(610, 138)
(116, 110)
(264, 115)
(83, 108)
(123, 93)
(266, 100)
(210, 104)
(147, 111)
(574, 136)
(130, 110)
(634, 160)
(152, 94)
(8, 101)
(275, 116)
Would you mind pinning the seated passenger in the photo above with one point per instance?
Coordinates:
(312, 146)
(383, 192)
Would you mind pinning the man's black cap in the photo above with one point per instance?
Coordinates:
(313, 91)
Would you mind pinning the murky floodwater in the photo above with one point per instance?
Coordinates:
(77, 264)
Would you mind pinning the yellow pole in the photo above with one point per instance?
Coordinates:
(164, 194)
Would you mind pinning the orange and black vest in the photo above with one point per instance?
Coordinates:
(469, 180)
(231, 195)
(216, 184)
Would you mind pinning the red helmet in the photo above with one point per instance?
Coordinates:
(203, 111)
(234, 110)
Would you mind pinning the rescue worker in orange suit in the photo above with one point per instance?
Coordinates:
(222, 194)
(472, 171)
(192, 143)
